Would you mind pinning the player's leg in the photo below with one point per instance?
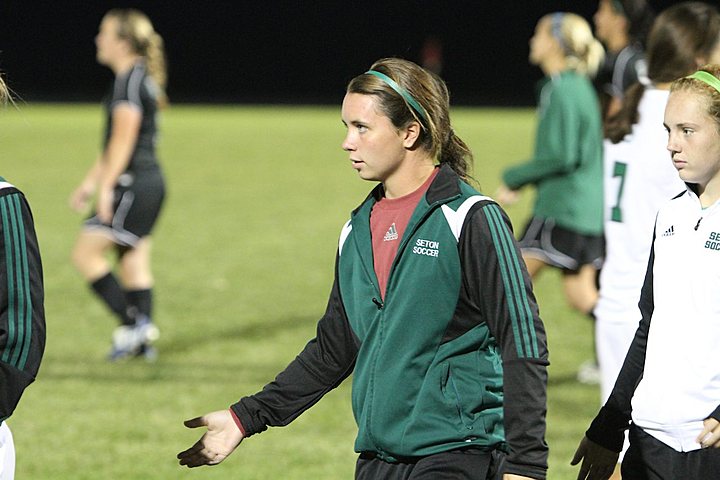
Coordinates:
(533, 265)
(136, 275)
(135, 267)
(89, 256)
(581, 289)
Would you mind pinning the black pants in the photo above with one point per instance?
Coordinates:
(466, 464)
(650, 459)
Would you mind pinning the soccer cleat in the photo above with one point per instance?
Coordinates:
(147, 352)
(589, 373)
(124, 343)
(135, 340)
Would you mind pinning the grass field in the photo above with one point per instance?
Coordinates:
(243, 262)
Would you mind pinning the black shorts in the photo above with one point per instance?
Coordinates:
(648, 458)
(138, 200)
(461, 464)
(560, 247)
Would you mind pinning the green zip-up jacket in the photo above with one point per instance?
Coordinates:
(455, 356)
(566, 167)
(22, 315)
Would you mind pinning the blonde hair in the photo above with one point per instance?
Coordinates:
(4, 92)
(709, 93)
(583, 52)
(135, 27)
(424, 99)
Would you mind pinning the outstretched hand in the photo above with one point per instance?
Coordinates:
(598, 463)
(220, 440)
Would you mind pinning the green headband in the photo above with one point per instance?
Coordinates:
(707, 78)
(402, 92)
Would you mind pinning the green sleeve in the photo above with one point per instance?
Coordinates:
(557, 144)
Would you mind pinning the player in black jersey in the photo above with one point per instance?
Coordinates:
(126, 180)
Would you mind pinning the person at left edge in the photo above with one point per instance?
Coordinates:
(22, 312)
(127, 181)
(431, 310)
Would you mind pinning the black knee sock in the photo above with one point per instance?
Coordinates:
(108, 289)
(140, 301)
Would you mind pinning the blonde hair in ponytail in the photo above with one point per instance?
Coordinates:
(135, 27)
(4, 92)
(583, 52)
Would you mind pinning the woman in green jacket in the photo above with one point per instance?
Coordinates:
(431, 309)
(565, 230)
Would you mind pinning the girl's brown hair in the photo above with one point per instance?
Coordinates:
(433, 108)
(680, 35)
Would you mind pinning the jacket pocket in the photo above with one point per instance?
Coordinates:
(455, 394)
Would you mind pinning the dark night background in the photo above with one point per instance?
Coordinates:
(281, 51)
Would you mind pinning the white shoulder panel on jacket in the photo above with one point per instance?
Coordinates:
(456, 219)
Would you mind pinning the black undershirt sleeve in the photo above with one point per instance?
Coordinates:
(323, 364)
(608, 427)
(498, 283)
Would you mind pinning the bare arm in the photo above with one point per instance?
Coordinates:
(126, 121)
(80, 198)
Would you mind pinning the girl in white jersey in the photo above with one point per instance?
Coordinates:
(668, 391)
(638, 177)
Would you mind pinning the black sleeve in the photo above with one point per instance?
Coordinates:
(497, 279)
(608, 427)
(22, 315)
(323, 364)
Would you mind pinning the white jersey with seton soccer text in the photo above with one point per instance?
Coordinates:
(639, 178)
(680, 381)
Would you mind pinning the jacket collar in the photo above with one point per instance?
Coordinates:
(445, 187)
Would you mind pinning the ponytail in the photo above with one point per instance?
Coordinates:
(457, 155)
(4, 92)
(594, 57)
(408, 93)
(620, 124)
(583, 52)
(157, 65)
(135, 27)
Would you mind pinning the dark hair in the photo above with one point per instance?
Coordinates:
(640, 16)
(432, 96)
(679, 35)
